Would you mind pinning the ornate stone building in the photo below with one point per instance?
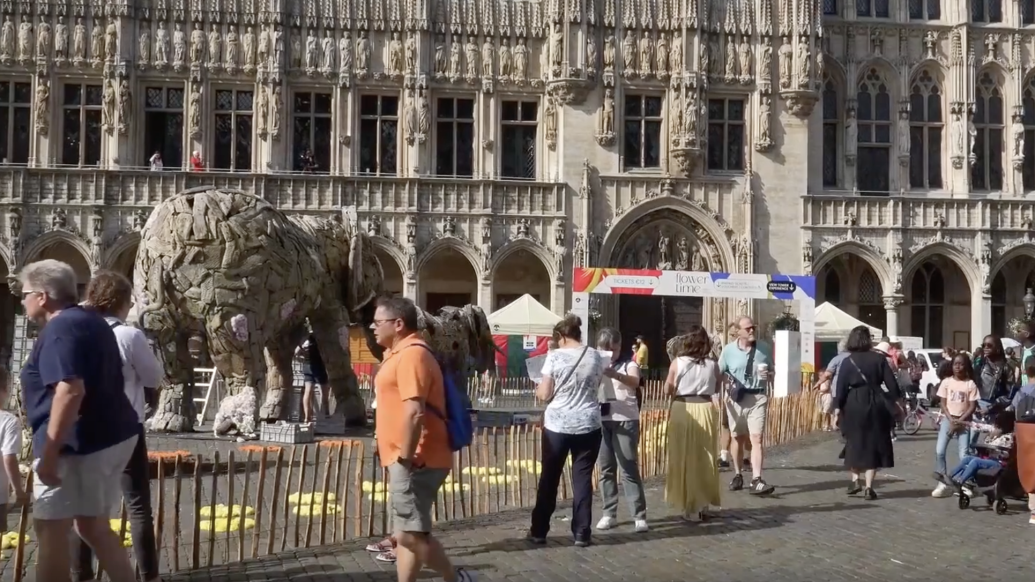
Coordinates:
(491, 145)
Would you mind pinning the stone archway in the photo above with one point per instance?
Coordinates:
(519, 272)
(446, 277)
(667, 239)
(64, 251)
(392, 272)
(125, 260)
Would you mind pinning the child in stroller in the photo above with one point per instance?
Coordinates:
(991, 472)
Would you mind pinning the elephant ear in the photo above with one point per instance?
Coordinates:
(365, 275)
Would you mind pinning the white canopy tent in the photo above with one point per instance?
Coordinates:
(833, 325)
(525, 316)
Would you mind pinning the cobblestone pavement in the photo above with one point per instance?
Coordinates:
(809, 530)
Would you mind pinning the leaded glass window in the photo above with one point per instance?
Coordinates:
(989, 121)
(378, 134)
(15, 122)
(81, 125)
(519, 122)
(726, 134)
(163, 126)
(311, 132)
(831, 143)
(925, 132)
(233, 130)
(873, 113)
(642, 119)
(454, 137)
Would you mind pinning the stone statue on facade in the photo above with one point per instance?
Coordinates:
(765, 65)
(277, 59)
(521, 61)
(42, 110)
(215, 48)
(363, 54)
(78, 42)
(628, 52)
(440, 56)
(312, 52)
(1017, 130)
(327, 52)
(786, 54)
(43, 41)
(423, 115)
(609, 52)
(704, 64)
(454, 58)
(296, 52)
(410, 121)
(591, 53)
(7, 40)
(716, 64)
(396, 55)
(804, 64)
(746, 59)
(108, 106)
(675, 54)
(24, 42)
(903, 132)
(972, 133)
(557, 45)
(179, 42)
(506, 63)
(471, 58)
(230, 58)
(264, 48)
(697, 261)
(765, 120)
(276, 104)
(682, 254)
(111, 40)
(661, 55)
(731, 69)
(488, 56)
(96, 42)
(125, 106)
(61, 40)
(262, 108)
(345, 54)
(646, 55)
(664, 258)
(411, 54)
(851, 131)
(194, 110)
(248, 49)
(691, 118)
(161, 46)
(144, 48)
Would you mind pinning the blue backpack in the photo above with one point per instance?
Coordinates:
(457, 415)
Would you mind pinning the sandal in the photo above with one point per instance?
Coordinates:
(385, 545)
(388, 557)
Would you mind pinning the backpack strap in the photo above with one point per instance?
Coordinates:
(429, 406)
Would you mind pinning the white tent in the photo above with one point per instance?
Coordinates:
(833, 325)
(525, 316)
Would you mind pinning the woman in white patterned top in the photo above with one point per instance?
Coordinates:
(571, 426)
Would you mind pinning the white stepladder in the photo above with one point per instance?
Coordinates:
(207, 381)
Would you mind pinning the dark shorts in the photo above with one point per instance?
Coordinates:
(315, 377)
(3, 518)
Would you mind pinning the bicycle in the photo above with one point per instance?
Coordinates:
(916, 413)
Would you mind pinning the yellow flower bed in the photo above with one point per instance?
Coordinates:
(10, 540)
(481, 471)
(499, 479)
(315, 498)
(376, 491)
(312, 509)
(526, 465)
(116, 526)
(225, 511)
(220, 525)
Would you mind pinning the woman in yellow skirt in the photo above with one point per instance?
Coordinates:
(692, 482)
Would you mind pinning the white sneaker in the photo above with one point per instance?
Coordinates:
(606, 522)
(641, 526)
(970, 492)
(1032, 519)
(941, 491)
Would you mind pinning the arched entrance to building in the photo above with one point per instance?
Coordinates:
(63, 251)
(1015, 274)
(125, 260)
(447, 278)
(518, 273)
(393, 277)
(938, 296)
(849, 282)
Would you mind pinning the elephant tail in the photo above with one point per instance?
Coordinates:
(161, 281)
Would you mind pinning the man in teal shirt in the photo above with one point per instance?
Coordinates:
(747, 363)
(1027, 338)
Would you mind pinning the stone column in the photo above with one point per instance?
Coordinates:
(980, 315)
(485, 293)
(559, 297)
(891, 305)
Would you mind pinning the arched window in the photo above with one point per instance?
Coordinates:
(873, 166)
(925, 133)
(999, 305)
(987, 171)
(831, 143)
(871, 302)
(832, 287)
(927, 297)
(1028, 118)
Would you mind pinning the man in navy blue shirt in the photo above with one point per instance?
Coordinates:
(84, 428)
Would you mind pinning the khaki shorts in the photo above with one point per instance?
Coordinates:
(747, 417)
(412, 494)
(90, 484)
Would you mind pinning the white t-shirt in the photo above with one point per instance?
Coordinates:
(10, 444)
(575, 408)
(623, 407)
(140, 367)
(695, 378)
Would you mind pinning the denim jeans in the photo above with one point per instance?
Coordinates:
(969, 467)
(962, 440)
(618, 454)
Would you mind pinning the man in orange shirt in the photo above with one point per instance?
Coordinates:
(412, 439)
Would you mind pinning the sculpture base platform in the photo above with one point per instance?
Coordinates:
(333, 425)
(506, 417)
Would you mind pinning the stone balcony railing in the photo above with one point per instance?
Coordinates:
(289, 192)
(905, 212)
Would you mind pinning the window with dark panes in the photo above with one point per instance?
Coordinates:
(873, 117)
(725, 134)
(986, 173)
(454, 137)
(1027, 12)
(872, 8)
(378, 134)
(642, 119)
(163, 125)
(519, 122)
(986, 10)
(830, 8)
(925, 132)
(81, 123)
(311, 132)
(927, 301)
(831, 125)
(233, 130)
(925, 9)
(15, 122)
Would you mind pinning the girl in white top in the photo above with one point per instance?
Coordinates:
(156, 162)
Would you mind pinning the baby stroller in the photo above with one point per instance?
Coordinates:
(1001, 482)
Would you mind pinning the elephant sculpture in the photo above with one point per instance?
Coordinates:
(230, 268)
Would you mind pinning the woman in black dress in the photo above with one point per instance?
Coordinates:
(867, 395)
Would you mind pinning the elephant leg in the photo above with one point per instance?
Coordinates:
(175, 410)
(332, 335)
(280, 375)
(238, 356)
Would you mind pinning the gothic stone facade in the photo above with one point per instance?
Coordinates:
(492, 145)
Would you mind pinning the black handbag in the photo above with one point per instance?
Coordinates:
(737, 388)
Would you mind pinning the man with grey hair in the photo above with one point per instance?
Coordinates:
(830, 375)
(84, 428)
